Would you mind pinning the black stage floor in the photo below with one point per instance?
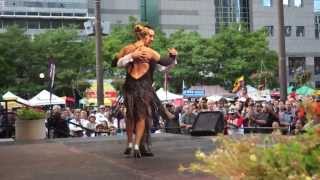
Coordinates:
(99, 158)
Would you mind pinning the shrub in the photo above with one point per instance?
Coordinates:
(30, 114)
(258, 157)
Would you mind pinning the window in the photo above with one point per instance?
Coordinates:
(56, 14)
(80, 14)
(67, 14)
(317, 26)
(297, 3)
(286, 2)
(266, 3)
(269, 30)
(44, 14)
(56, 24)
(317, 31)
(300, 31)
(33, 24)
(316, 65)
(32, 13)
(44, 24)
(21, 13)
(21, 23)
(8, 13)
(317, 84)
(287, 31)
(296, 65)
(316, 5)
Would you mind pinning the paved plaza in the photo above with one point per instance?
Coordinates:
(99, 158)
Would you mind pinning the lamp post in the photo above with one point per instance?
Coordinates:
(282, 53)
(99, 64)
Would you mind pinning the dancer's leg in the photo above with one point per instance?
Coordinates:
(140, 128)
(129, 130)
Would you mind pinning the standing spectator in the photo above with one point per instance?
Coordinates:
(172, 126)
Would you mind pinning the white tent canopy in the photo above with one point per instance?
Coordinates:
(163, 95)
(10, 96)
(43, 98)
(214, 98)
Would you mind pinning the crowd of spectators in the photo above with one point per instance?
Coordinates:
(243, 115)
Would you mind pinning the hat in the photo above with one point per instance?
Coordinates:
(91, 115)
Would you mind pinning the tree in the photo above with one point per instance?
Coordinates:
(222, 58)
(22, 60)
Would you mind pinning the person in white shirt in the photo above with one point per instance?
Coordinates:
(76, 123)
(92, 124)
(101, 116)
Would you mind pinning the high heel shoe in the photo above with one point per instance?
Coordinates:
(136, 153)
(127, 151)
(146, 152)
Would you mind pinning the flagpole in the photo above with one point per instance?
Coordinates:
(52, 71)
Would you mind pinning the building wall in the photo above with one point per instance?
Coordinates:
(307, 46)
(191, 15)
(36, 16)
(116, 11)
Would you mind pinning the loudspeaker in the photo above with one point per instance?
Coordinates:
(208, 123)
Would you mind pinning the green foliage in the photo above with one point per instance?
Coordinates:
(219, 59)
(22, 60)
(257, 157)
(30, 114)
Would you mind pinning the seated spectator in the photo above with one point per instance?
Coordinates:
(187, 120)
(298, 127)
(276, 128)
(101, 117)
(263, 117)
(91, 125)
(235, 122)
(76, 125)
(211, 105)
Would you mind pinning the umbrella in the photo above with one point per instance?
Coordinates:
(289, 89)
(305, 90)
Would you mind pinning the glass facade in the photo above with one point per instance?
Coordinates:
(231, 11)
(41, 8)
(296, 65)
(317, 6)
(266, 3)
(149, 12)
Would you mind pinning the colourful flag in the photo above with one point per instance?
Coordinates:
(238, 84)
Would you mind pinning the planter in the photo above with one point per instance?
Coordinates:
(30, 129)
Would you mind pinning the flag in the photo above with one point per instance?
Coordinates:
(183, 85)
(52, 74)
(238, 84)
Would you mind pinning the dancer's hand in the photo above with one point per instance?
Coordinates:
(172, 52)
(142, 55)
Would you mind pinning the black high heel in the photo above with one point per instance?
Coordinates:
(127, 151)
(136, 153)
(145, 152)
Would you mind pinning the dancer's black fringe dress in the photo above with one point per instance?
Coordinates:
(140, 98)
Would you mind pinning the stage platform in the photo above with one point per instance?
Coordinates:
(99, 158)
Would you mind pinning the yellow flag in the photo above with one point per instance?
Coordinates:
(237, 84)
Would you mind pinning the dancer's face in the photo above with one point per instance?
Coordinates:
(148, 39)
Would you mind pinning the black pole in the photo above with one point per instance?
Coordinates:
(282, 53)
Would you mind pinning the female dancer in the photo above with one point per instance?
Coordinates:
(140, 98)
